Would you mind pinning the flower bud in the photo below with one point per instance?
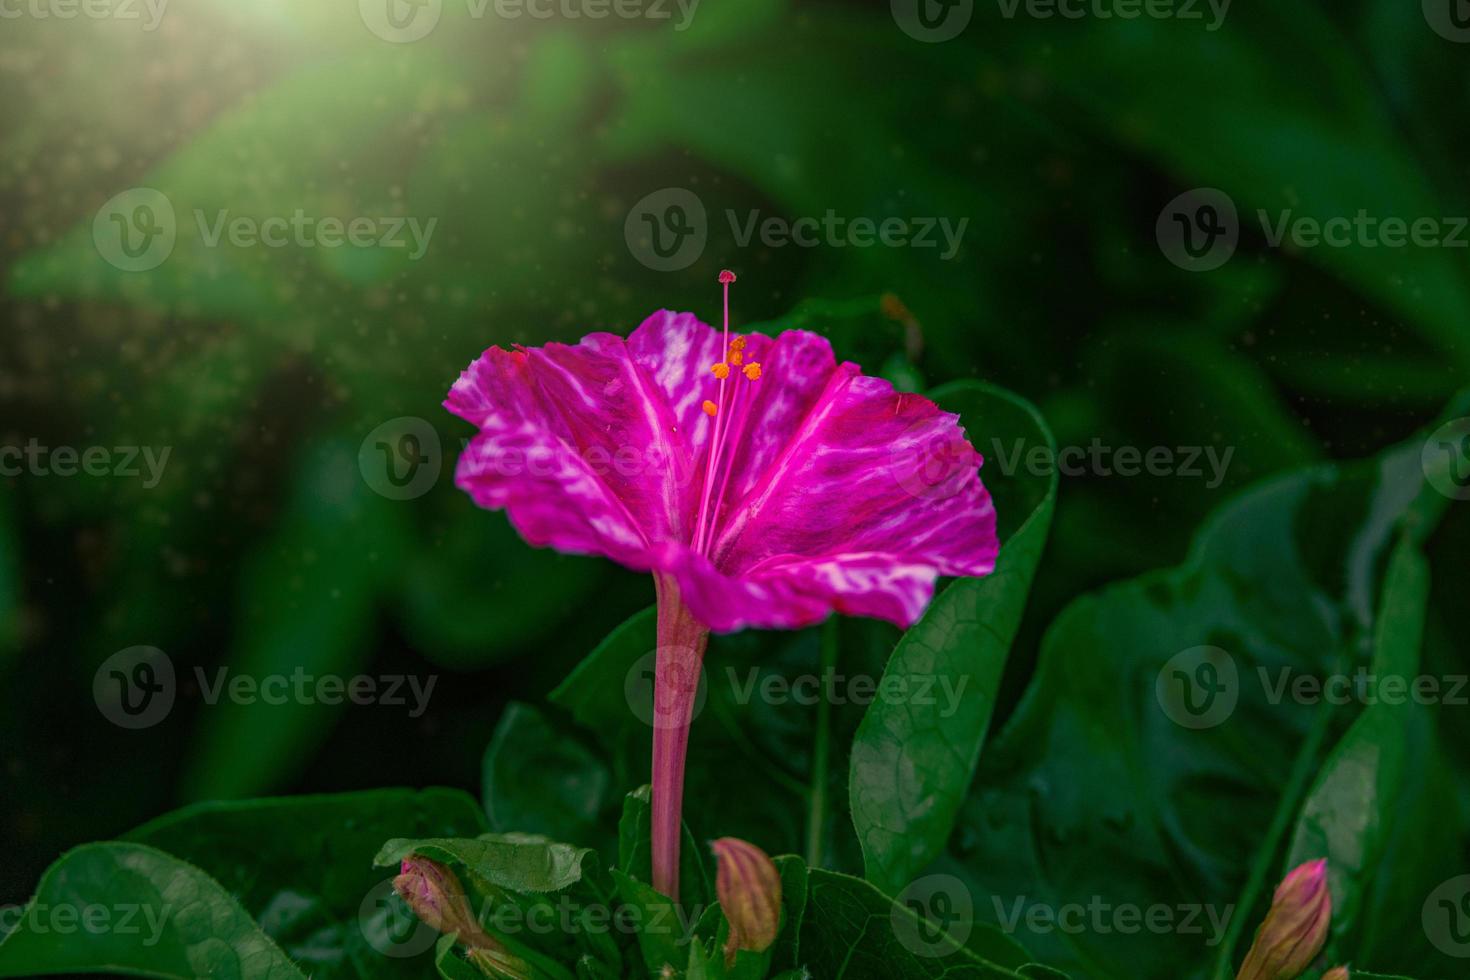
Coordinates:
(1336, 973)
(497, 964)
(438, 899)
(749, 887)
(1295, 929)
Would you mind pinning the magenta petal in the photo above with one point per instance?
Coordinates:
(793, 593)
(875, 494)
(577, 445)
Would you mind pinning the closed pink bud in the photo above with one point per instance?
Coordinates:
(1336, 973)
(497, 964)
(438, 899)
(1295, 929)
(749, 887)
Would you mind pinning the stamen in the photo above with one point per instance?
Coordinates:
(721, 370)
(753, 371)
(716, 430)
(736, 356)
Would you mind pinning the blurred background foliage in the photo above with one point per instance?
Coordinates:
(264, 548)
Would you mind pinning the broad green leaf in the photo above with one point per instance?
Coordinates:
(120, 907)
(521, 863)
(853, 931)
(1384, 797)
(795, 884)
(539, 779)
(593, 692)
(663, 927)
(1145, 765)
(302, 866)
(914, 755)
(304, 621)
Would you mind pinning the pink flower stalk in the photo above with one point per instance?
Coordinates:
(1295, 928)
(761, 482)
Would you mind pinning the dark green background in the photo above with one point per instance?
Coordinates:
(264, 547)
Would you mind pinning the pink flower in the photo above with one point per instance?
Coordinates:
(762, 483)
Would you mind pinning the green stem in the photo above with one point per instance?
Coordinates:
(817, 811)
(1264, 866)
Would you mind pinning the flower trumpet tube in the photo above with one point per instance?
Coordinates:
(761, 482)
(1295, 929)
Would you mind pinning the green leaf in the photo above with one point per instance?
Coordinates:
(1148, 760)
(786, 954)
(314, 889)
(593, 691)
(1385, 789)
(853, 931)
(635, 857)
(913, 757)
(539, 778)
(662, 929)
(120, 907)
(521, 863)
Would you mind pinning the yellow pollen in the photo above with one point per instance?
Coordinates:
(753, 371)
(736, 357)
(710, 407)
(721, 370)
(738, 343)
